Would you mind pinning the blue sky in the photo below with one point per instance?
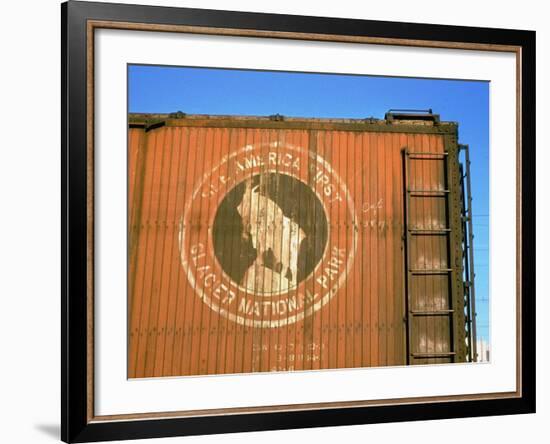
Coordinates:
(159, 89)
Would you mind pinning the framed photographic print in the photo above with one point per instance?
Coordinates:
(276, 221)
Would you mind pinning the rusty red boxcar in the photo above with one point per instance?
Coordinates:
(262, 244)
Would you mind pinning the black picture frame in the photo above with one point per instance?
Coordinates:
(76, 423)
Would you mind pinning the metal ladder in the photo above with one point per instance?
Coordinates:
(414, 355)
(468, 256)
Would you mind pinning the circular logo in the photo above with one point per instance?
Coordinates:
(263, 239)
(269, 233)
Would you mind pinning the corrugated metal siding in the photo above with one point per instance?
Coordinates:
(173, 331)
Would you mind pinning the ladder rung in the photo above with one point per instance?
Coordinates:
(434, 271)
(433, 355)
(419, 231)
(427, 156)
(428, 193)
(432, 313)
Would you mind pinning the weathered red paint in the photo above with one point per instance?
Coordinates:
(172, 328)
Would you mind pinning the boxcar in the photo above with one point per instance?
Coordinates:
(277, 244)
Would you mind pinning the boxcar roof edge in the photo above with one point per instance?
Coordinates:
(150, 121)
